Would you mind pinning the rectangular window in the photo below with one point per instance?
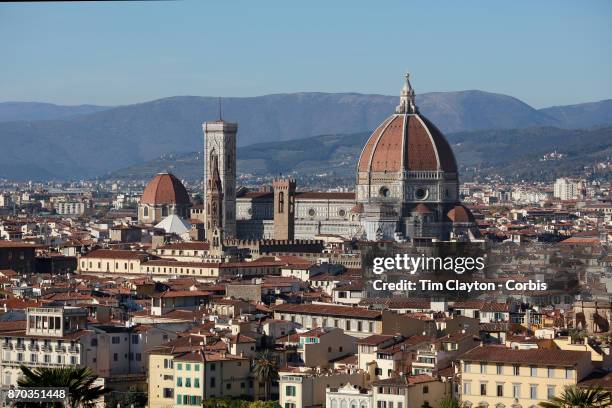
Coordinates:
(196, 383)
(188, 367)
(569, 373)
(550, 391)
(196, 367)
(516, 391)
(500, 390)
(483, 389)
(179, 399)
(115, 339)
(467, 367)
(551, 372)
(483, 368)
(290, 390)
(188, 382)
(179, 381)
(533, 371)
(213, 382)
(516, 370)
(467, 388)
(500, 369)
(179, 366)
(533, 391)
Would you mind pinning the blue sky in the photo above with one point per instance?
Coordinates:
(543, 52)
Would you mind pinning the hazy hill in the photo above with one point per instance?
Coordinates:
(513, 153)
(20, 111)
(92, 144)
(582, 115)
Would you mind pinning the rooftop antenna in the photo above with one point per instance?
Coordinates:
(220, 110)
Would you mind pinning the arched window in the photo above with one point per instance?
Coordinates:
(281, 202)
(145, 211)
(164, 211)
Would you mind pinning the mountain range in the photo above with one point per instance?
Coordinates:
(514, 153)
(44, 141)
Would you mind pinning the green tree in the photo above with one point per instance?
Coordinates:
(450, 402)
(265, 368)
(126, 399)
(264, 404)
(79, 381)
(574, 397)
(576, 335)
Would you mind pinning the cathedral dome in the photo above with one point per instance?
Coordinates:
(407, 141)
(165, 188)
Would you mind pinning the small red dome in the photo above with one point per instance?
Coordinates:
(460, 214)
(165, 188)
(422, 209)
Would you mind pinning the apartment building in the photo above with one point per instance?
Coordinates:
(492, 375)
(53, 337)
(304, 387)
(71, 208)
(184, 251)
(409, 391)
(439, 354)
(112, 262)
(184, 372)
(317, 347)
(384, 356)
(354, 321)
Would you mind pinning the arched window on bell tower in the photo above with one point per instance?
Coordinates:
(281, 202)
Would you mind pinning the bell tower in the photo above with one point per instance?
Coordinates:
(284, 209)
(220, 141)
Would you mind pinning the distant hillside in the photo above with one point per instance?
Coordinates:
(581, 116)
(514, 153)
(24, 111)
(88, 145)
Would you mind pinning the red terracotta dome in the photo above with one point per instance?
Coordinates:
(165, 188)
(460, 214)
(407, 141)
(422, 209)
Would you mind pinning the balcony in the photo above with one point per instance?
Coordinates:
(60, 349)
(19, 346)
(46, 347)
(33, 347)
(73, 349)
(7, 346)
